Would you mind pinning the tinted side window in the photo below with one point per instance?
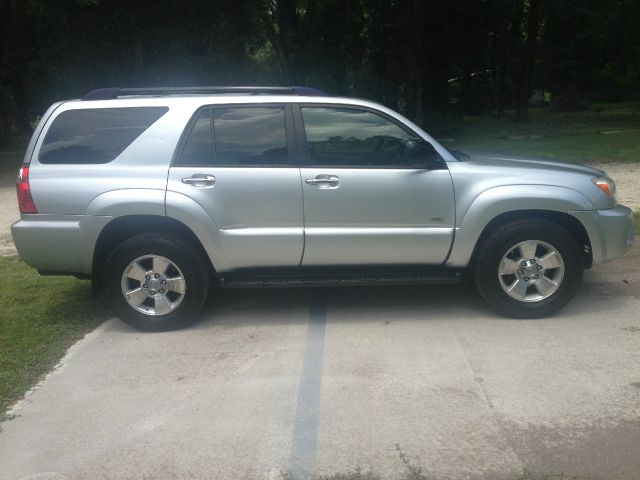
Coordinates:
(95, 135)
(351, 137)
(249, 136)
(198, 148)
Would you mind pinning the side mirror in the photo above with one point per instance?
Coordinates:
(422, 154)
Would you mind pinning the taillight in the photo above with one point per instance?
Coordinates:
(25, 200)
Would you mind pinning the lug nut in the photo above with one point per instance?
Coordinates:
(533, 260)
(526, 279)
(523, 264)
(144, 286)
(157, 275)
(164, 282)
(535, 277)
(152, 292)
(162, 290)
(148, 277)
(520, 272)
(539, 267)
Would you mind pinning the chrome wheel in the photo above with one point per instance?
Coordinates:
(531, 271)
(153, 285)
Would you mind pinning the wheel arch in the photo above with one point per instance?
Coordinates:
(565, 220)
(121, 228)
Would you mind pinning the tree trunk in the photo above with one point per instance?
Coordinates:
(414, 51)
(280, 19)
(533, 24)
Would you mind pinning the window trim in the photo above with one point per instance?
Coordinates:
(288, 127)
(303, 147)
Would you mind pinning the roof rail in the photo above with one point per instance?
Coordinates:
(115, 92)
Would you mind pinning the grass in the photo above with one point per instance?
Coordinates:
(41, 318)
(607, 132)
(636, 217)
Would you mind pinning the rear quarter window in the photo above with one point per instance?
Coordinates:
(95, 135)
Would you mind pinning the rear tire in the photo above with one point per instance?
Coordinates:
(528, 268)
(156, 282)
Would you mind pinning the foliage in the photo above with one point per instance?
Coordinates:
(433, 60)
(41, 318)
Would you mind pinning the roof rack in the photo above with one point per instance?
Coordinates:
(115, 92)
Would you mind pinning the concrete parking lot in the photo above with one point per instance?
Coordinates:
(307, 382)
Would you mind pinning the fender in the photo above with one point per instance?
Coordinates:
(125, 202)
(130, 201)
(109, 205)
(508, 198)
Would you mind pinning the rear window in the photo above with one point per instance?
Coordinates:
(95, 135)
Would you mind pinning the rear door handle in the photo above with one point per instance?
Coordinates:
(324, 181)
(200, 180)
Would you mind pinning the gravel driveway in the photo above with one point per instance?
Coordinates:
(8, 213)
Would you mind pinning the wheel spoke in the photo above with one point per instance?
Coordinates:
(136, 296)
(162, 304)
(151, 296)
(509, 267)
(528, 249)
(160, 265)
(545, 285)
(544, 273)
(137, 272)
(518, 289)
(176, 284)
(550, 261)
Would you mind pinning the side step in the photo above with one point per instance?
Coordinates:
(439, 277)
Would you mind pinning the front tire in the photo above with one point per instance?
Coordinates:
(156, 282)
(528, 268)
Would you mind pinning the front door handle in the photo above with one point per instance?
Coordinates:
(200, 180)
(324, 181)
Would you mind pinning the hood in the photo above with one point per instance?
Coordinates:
(537, 165)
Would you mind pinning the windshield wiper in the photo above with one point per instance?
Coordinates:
(459, 154)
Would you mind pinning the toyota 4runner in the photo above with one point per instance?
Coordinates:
(156, 194)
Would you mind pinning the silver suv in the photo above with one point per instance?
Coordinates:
(156, 194)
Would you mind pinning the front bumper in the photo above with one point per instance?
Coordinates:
(611, 231)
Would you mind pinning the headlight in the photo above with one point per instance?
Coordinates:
(605, 184)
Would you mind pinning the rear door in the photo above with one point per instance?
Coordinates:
(236, 162)
(366, 199)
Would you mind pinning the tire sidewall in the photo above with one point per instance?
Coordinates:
(490, 257)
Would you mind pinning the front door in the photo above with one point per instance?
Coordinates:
(237, 165)
(366, 199)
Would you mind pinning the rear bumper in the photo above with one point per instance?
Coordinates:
(58, 243)
(611, 231)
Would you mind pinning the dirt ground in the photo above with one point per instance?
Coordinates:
(627, 178)
(8, 213)
(626, 175)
